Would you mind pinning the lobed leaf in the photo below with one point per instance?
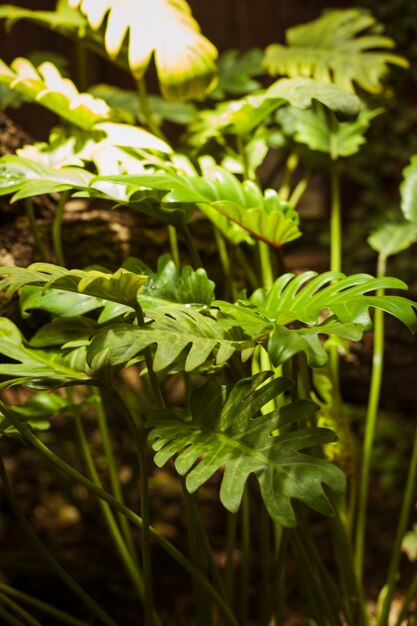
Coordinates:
(231, 434)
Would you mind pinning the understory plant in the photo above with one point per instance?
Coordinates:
(255, 361)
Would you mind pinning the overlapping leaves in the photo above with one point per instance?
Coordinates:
(229, 432)
(327, 304)
(341, 46)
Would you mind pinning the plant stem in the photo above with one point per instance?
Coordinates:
(231, 526)
(248, 270)
(111, 465)
(299, 190)
(38, 545)
(9, 619)
(191, 247)
(153, 379)
(26, 617)
(265, 558)
(407, 503)
(41, 606)
(57, 228)
(173, 242)
(335, 250)
(40, 246)
(29, 436)
(290, 167)
(245, 538)
(266, 267)
(146, 110)
(109, 519)
(370, 425)
(230, 288)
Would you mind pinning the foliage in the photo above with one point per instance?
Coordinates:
(235, 383)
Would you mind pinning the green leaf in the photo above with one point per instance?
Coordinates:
(184, 59)
(177, 331)
(320, 130)
(36, 413)
(391, 239)
(408, 190)
(261, 215)
(57, 302)
(409, 544)
(187, 286)
(46, 86)
(26, 178)
(122, 287)
(236, 71)
(336, 48)
(232, 434)
(34, 367)
(126, 104)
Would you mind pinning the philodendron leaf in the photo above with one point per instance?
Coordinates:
(36, 413)
(184, 59)
(26, 178)
(408, 190)
(232, 434)
(36, 368)
(122, 287)
(178, 331)
(320, 130)
(219, 194)
(236, 72)
(335, 48)
(46, 86)
(241, 117)
(391, 239)
(307, 299)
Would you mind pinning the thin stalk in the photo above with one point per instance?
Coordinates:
(111, 465)
(146, 110)
(247, 268)
(40, 246)
(407, 504)
(57, 228)
(9, 619)
(299, 190)
(45, 554)
(191, 247)
(230, 291)
(109, 519)
(370, 426)
(335, 250)
(229, 570)
(153, 379)
(245, 539)
(265, 558)
(290, 167)
(41, 606)
(29, 436)
(19, 612)
(266, 267)
(409, 598)
(173, 242)
(275, 602)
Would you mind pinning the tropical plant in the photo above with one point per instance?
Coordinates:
(258, 415)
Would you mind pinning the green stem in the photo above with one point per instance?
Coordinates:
(245, 538)
(299, 190)
(41, 606)
(40, 246)
(191, 247)
(407, 504)
(266, 267)
(29, 436)
(38, 545)
(111, 465)
(57, 229)
(290, 167)
(24, 615)
(173, 242)
(9, 619)
(153, 379)
(231, 527)
(247, 268)
(370, 426)
(107, 513)
(265, 558)
(146, 110)
(335, 250)
(230, 291)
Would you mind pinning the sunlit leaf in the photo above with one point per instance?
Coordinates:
(343, 46)
(236, 72)
(409, 191)
(393, 238)
(184, 59)
(232, 434)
